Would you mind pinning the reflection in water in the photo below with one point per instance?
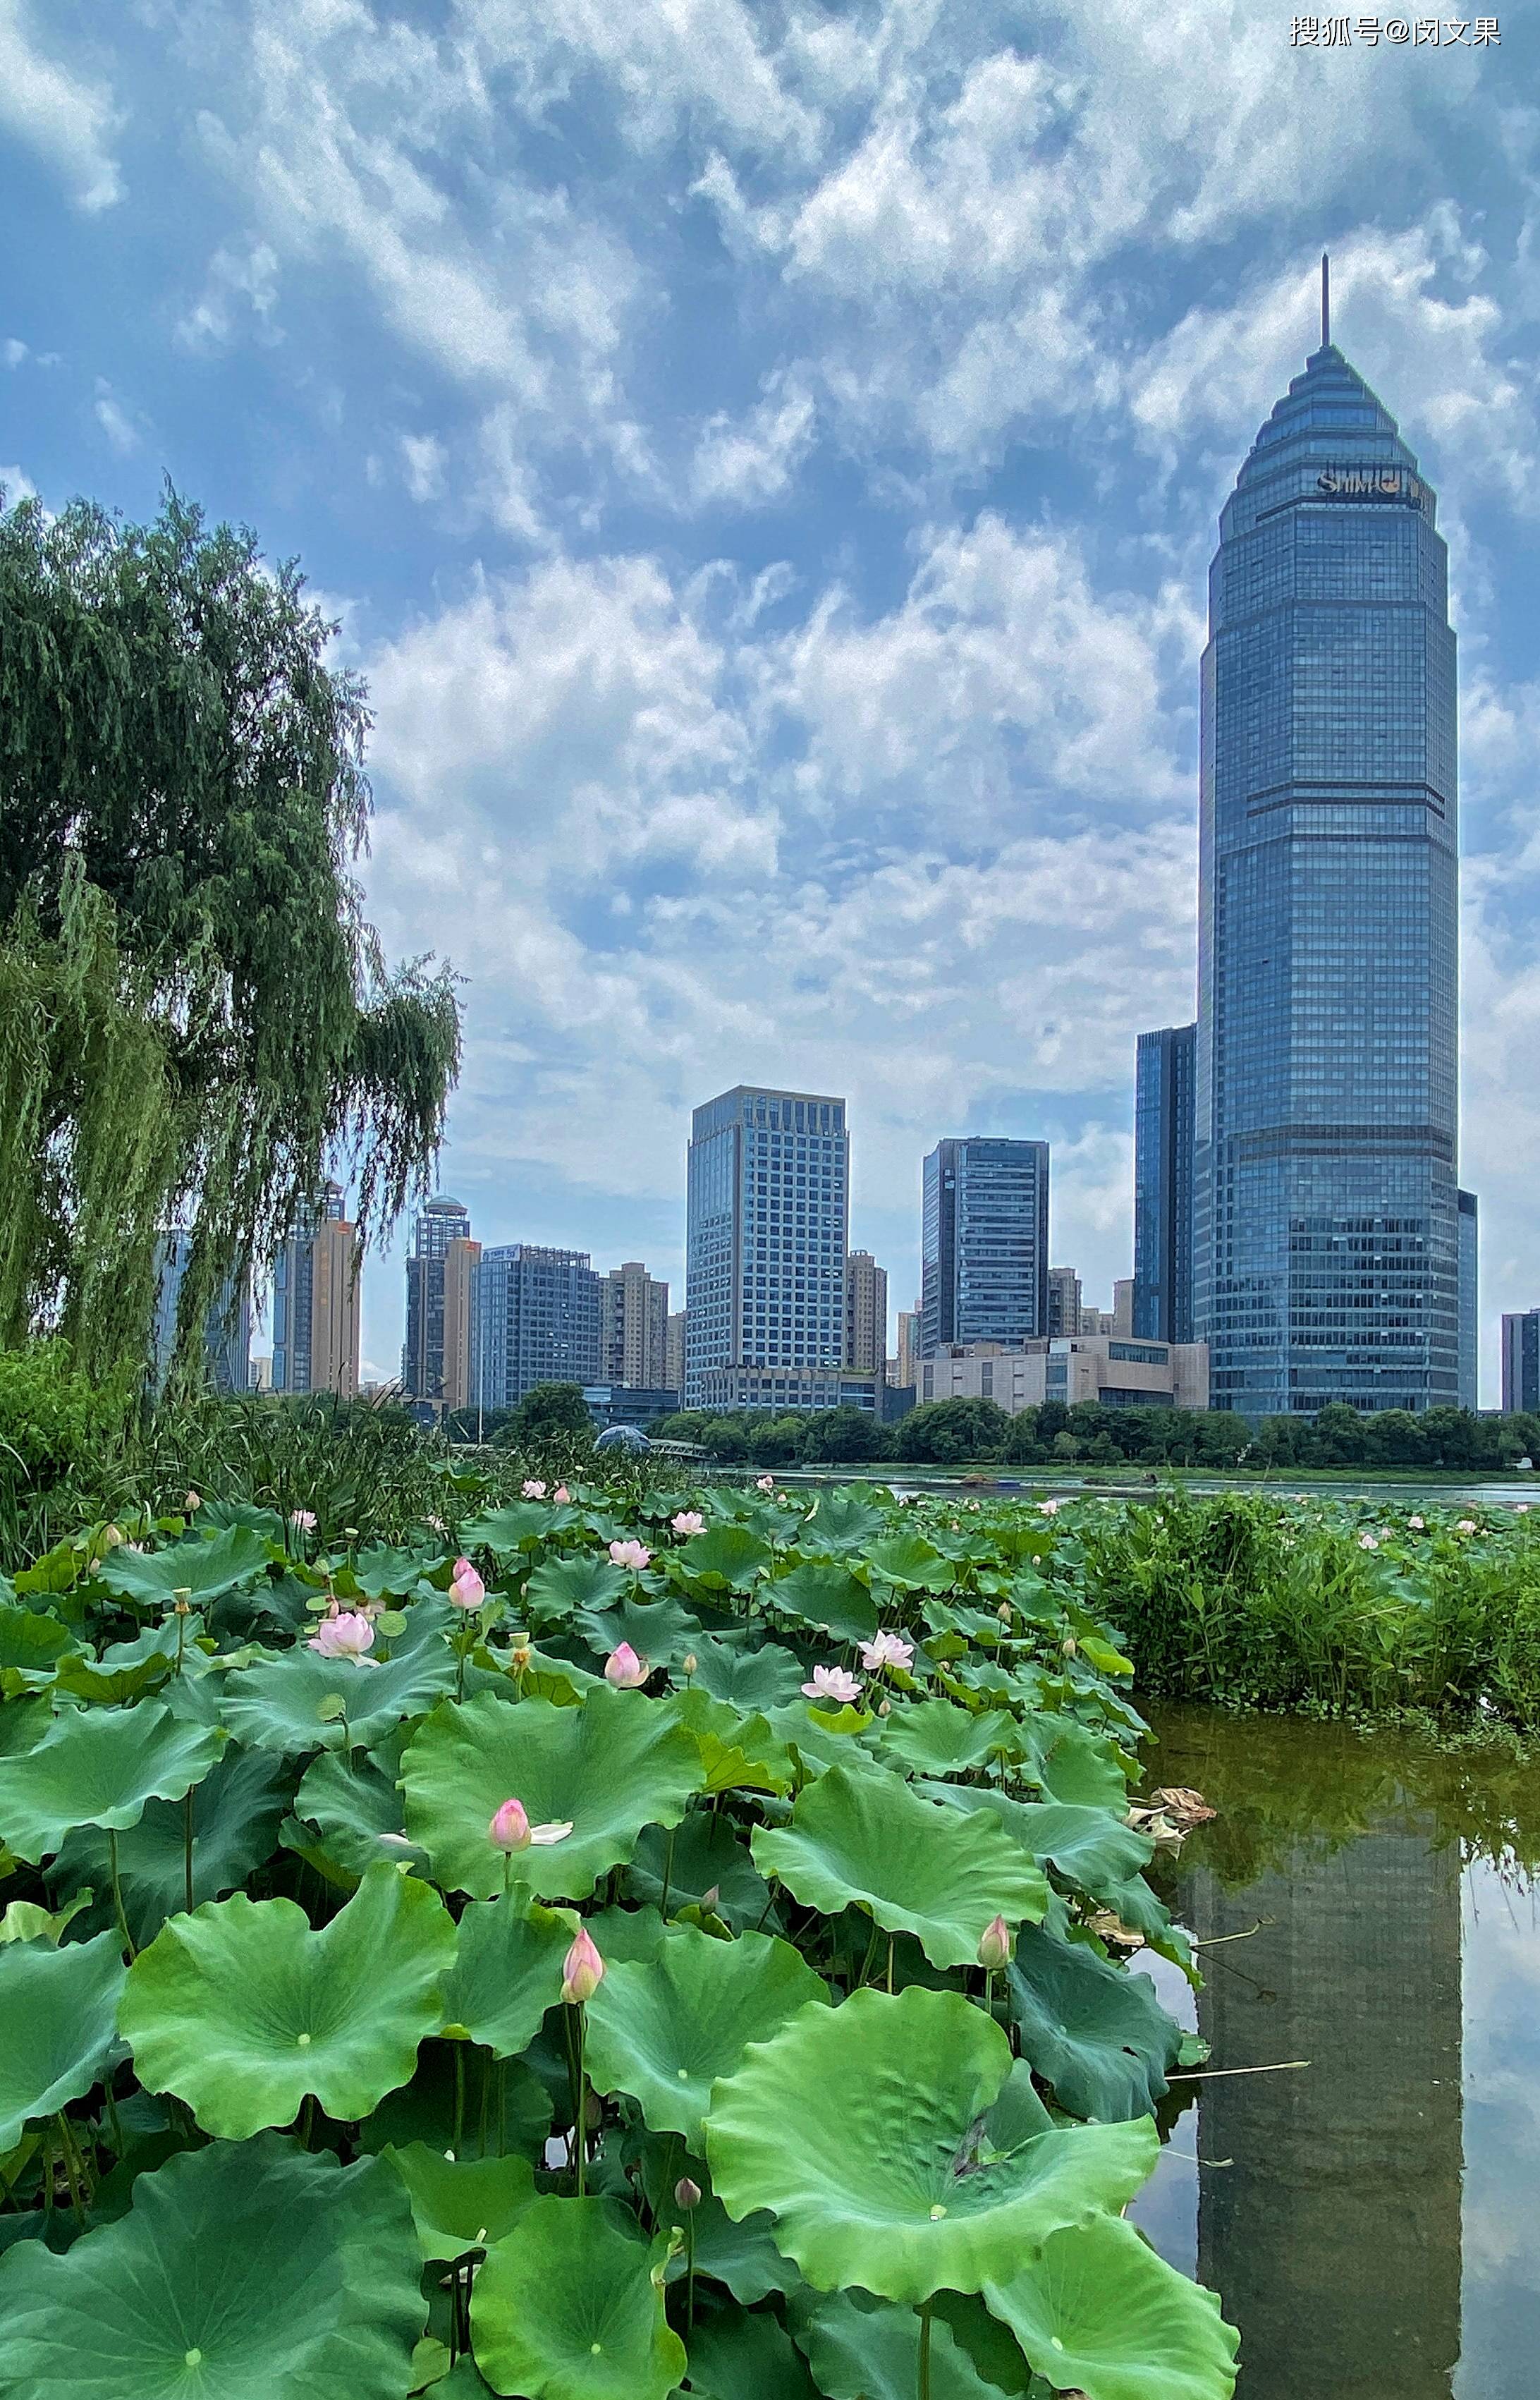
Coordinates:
(1335, 2207)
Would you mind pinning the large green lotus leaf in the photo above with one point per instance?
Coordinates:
(1099, 2313)
(739, 2355)
(127, 1669)
(242, 2010)
(749, 1678)
(383, 1573)
(866, 1840)
(737, 1750)
(616, 1764)
(659, 1630)
(724, 1554)
(442, 2106)
(939, 1738)
(557, 1586)
(1095, 2032)
(627, 1933)
(99, 1766)
(567, 2307)
(460, 2204)
(865, 2349)
(203, 1569)
(58, 2022)
(828, 1597)
(911, 1563)
(22, 1724)
(1090, 1847)
(841, 1521)
(251, 2271)
(993, 2347)
(860, 2129)
(707, 1855)
(1075, 1764)
(351, 1798)
(236, 1811)
(508, 1972)
(288, 1703)
(665, 2031)
(31, 1645)
(507, 1531)
(824, 1738)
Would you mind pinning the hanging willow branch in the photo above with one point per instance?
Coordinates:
(195, 1021)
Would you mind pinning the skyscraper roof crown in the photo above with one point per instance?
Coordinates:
(1329, 418)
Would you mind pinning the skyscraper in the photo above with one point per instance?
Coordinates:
(673, 1353)
(1521, 1362)
(534, 1319)
(226, 1327)
(1064, 1301)
(1325, 1240)
(441, 1224)
(983, 1252)
(634, 1328)
(316, 1302)
(1470, 1300)
(769, 1216)
(866, 1313)
(1162, 1183)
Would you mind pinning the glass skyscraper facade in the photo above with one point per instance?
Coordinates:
(534, 1319)
(1326, 1241)
(226, 1327)
(983, 1243)
(1162, 1183)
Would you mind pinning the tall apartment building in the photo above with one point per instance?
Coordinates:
(908, 1349)
(226, 1326)
(1164, 1078)
(1470, 1300)
(534, 1319)
(1521, 1362)
(984, 1255)
(435, 1356)
(865, 1314)
(316, 1302)
(1064, 1300)
(634, 1328)
(674, 1352)
(768, 1232)
(1326, 1241)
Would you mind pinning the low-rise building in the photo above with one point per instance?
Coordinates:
(1102, 1367)
(783, 1389)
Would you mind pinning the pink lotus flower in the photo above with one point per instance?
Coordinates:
(562, 1497)
(534, 1489)
(303, 1518)
(625, 1669)
(193, 1500)
(345, 1634)
(1465, 1525)
(582, 1970)
(832, 1684)
(1414, 1524)
(764, 1484)
(1050, 1508)
(1368, 1542)
(688, 1521)
(467, 1589)
(994, 1944)
(635, 1555)
(885, 1649)
(510, 1830)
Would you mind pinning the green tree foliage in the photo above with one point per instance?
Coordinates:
(546, 1411)
(195, 1017)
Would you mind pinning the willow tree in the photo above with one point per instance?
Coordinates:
(196, 1022)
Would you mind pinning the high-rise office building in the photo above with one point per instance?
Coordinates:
(983, 1254)
(534, 1319)
(769, 1217)
(1162, 1183)
(634, 1328)
(1470, 1300)
(1065, 1302)
(441, 1226)
(865, 1314)
(1325, 1249)
(674, 1352)
(1521, 1362)
(226, 1326)
(908, 1348)
(316, 1302)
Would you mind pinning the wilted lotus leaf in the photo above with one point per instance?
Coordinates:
(567, 2307)
(58, 2022)
(866, 1839)
(1098, 2312)
(242, 2010)
(665, 2030)
(859, 2129)
(241, 2272)
(99, 1766)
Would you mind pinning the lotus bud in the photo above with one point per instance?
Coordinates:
(510, 1828)
(582, 1970)
(1004, 1612)
(994, 1944)
(467, 1589)
(884, 1708)
(111, 1537)
(1071, 1646)
(193, 1500)
(709, 1900)
(625, 1669)
(691, 1662)
(687, 2193)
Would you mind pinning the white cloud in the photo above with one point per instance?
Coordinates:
(16, 485)
(749, 460)
(68, 121)
(237, 282)
(13, 352)
(118, 427)
(425, 458)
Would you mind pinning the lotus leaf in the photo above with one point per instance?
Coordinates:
(1075, 1764)
(58, 2022)
(824, 1738)
(507, 1531)
(126, 1669)
(911, 1563)
(508, 1972)
(749, 1678)
(31, 1645)
(724, 1555)
(707, 1854)
(1099, 2035)
(25, 1920)
(734, 2355)
(557, 1586)
(830, 1597)
(1090, 1847)
(864, 1839)
(664, 2031)
(1097, 2311)
(235, 1813)
(242, 2010)
(939, 1738)
(288, 1703)
(841, 1521)
(627, 1933)
(460, 2204)
(351, 1797)
(858, 2128)
(240, 2273)
(659, 1630)
(740, 1753)
(443, 2106)
(204, 1569)
(616, 1764)
(99, 1766)
(864, 2349)
(567, 2307)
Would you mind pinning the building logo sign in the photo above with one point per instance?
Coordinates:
(1371, 484)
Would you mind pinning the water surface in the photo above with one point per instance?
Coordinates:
(1371, 2218)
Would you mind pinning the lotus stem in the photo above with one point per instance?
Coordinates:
(581, 2137)
(487, 2103)
(188, 1850)
(459, 2097)
(689, 2273)
(924, 2389)
(668, 1872)
(118, 1894)
(72, 2168)
(890, 1962)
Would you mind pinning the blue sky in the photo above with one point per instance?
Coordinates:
(766, 463)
